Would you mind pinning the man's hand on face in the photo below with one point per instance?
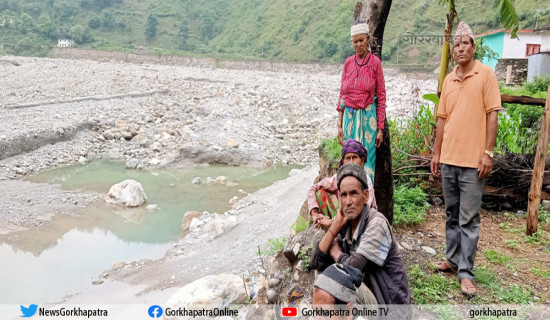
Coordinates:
(340, 220)
(485, 166)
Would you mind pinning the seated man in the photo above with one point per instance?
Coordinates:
(360, 238)
(321, 207)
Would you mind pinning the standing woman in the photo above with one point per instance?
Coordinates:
(362, 102)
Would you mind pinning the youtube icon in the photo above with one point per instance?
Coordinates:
(289, 312)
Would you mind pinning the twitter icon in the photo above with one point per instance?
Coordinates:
(28, 312)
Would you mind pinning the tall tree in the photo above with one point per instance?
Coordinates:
(151, 26)
(375, 14)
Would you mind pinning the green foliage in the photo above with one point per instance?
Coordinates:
(539, 84)
(410, 204)
(519, 127)
(431, 97)
(515, 294)
(528, 116)
(513, 244)
(486, 277)
(541, 273)
(484, 51)
(513, 136)
(305, 256)
(332, 149)
(102, 4)
(108, 22)
(94, 22)
(275, 245)
(151, 26)
(183, 35)
(543, 215)
(300, 225)
(536, 238)
(508, 16)
(429, 289)
(496, 257)
(241, 29)
(81, 35)
(410, 136)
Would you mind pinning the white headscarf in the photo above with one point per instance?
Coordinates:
(359, 29)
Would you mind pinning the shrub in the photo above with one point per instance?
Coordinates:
(332, 149)
(410, 204)
(410, 136)
(539, 84)
(300, 225)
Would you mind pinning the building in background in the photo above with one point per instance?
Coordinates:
(501, 42)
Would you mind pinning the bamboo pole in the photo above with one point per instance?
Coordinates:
(538, 171)
(446, 51)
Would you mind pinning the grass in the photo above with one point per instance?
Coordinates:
(305, 256)
(515, 294)
(333, 150)
(496, 257)
(541, 273)
(300, 225)
(429, 288)
(486, 278)
(274, 245)
(512, 244)
(410, 205)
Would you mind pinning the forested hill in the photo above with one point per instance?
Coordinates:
(281, 30)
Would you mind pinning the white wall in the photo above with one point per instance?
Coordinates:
(515, 48)
(545, 47)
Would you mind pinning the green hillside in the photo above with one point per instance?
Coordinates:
(280, 30)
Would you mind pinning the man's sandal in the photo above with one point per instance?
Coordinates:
(444, 266)
(468, 288)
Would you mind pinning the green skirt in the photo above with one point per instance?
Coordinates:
(361, 125)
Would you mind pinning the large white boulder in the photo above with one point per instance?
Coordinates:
(215, 291)
(128, 193)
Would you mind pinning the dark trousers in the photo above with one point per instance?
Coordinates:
(462, 189)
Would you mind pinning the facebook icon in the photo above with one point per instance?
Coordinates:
(155, 311)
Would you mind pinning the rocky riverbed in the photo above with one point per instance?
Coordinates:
(57, 112)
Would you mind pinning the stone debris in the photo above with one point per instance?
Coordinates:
(255, 118)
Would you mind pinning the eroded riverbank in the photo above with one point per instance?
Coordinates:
(59, 112)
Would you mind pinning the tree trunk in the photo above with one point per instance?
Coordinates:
(538, 171)
(375, 13)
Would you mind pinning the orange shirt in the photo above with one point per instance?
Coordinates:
(464, 105)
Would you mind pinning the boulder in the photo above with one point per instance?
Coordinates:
(187, 218)
(132, 163)
(108, 135)
(233, 200)
(232, 143)
(142, 140)
(128, 193)
(195, 224)
(215, 291)
(121, 125)
(219, 225)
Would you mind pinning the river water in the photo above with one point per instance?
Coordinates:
(62, 258)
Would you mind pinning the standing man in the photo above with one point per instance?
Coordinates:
(464, 144)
